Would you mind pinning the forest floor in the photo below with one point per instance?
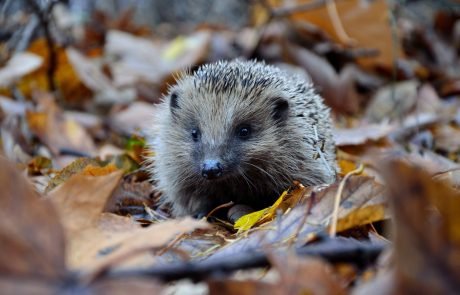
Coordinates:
(78, 212)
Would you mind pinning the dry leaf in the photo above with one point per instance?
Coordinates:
(80, 202)
(361, 216)
(117, 238)
(19, 65)
(447, 138)
(58, 132)
(246, 222)
(361, 134)
(393, 101)
(288, 199)
(305, 275)
(248, 287)
(427, 225)
(92, 76)
(124, 286)
(140, 59)
(366, 23)
(81, 199)
(31, 236)
(137, 117)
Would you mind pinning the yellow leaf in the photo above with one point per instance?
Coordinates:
(361, 216)
(175, 49)
(346, 166)
(272, 209)
(248, 221)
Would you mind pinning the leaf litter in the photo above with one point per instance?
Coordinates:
(79, 207)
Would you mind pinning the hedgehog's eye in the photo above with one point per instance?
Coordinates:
(196, 134)
(244, 131)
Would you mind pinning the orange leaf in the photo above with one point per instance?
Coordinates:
(91, 170)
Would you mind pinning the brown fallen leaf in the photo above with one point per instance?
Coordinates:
(91, 74)
(81, 199)
(393, 101)
(338, 89)
(362, 134)
(427, 225)
(247, 287)
(366, 24)
(35, 286)
(97, 241)
(125, 286)
(140, 59)
(119, 242)
(358, 192)
(137, 116)
(363, 215)
(133, 194)
(432, 162)
(32, 247)
(300, 275)
(31, 236)
(447, 138)
(56, 131)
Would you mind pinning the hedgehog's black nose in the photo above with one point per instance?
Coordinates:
(211, 169)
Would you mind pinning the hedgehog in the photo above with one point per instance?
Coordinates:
(239, 131)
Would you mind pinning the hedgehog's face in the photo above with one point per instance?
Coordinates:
(222, 136)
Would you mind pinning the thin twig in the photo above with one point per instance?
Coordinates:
(171, 244)
(333, 250)
(337, 23)
(437, 174)
(219, 207)
(44, 17)
(338, 196)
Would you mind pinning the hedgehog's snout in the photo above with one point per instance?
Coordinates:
(211, 169)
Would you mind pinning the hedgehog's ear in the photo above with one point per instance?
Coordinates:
(173, 102)
(280, 110)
